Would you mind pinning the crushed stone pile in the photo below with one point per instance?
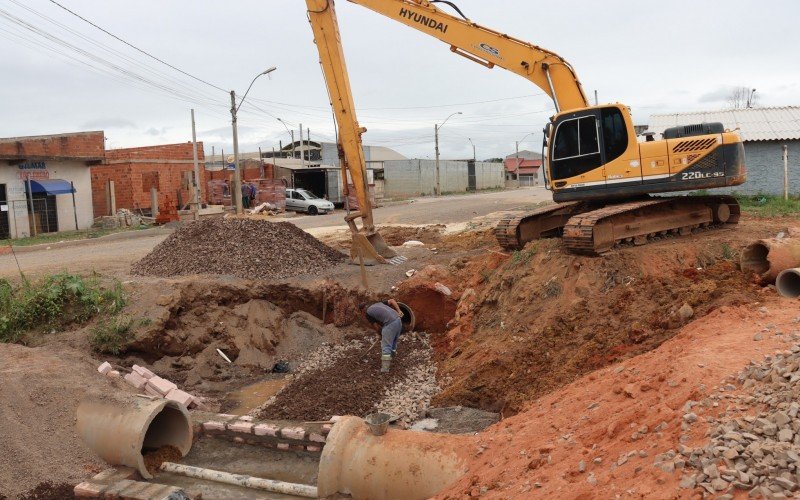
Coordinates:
(756, 453)
(246, 248)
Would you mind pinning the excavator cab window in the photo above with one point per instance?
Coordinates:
(615, 135)
(576, 147)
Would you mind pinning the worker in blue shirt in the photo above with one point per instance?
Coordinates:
(385, 317)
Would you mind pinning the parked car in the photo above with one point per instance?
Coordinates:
(301, 200)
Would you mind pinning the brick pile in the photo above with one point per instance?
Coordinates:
(145, 380)
(246, 248)
(271, 191)
(124, 483)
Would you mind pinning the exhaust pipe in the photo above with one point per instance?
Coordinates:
(767, 258)
(119, 429)
(788, 283)
(399, 464)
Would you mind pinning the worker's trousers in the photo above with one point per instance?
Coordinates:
(389, 335)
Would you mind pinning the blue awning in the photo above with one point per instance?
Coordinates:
(51, 186)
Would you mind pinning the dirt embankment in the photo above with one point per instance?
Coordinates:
(604, 434)
(537, 319)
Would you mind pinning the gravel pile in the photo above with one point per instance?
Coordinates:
(345, 379)
(760, 453)
(247, 248)
(409, 398)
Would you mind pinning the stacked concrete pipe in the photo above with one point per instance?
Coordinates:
(768, 258)
(788, 283)
(119, 428)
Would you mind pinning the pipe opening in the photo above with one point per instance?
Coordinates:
(788, 283)
(169, 427)
(754, 258)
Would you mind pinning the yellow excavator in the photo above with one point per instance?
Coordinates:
(600, 173)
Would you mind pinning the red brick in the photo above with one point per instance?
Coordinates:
(89, 489)
(214, 426)
(265, 430)
(293, 433)
(245, 427)
(163, 386)
(179, 396)
(104, 368)
(144, 372)
(135, 380)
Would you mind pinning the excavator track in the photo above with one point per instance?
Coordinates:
(515, 231)
(597, 231)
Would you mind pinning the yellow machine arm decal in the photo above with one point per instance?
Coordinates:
(545, 69)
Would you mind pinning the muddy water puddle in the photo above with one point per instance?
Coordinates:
(252, 396)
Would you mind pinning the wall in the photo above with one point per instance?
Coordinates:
(75, 171)
(135, 170)
(418, 177)
(80, 145)
(764, 160)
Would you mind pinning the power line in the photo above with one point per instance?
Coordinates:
(137, 48)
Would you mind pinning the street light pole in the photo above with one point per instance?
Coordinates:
(473, 149)
(237, 174)
(436, 128)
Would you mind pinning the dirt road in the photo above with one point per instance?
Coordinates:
(115, 255)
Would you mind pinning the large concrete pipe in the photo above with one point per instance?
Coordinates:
(788, 283)
(399, 464)
(768, 258)
(119, 429)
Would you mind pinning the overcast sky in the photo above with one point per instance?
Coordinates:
(59, 74)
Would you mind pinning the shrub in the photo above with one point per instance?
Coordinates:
(54, 303)
(111, 335)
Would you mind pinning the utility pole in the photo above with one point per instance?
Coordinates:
(436, 128)
(438, 190)
(196, 170)
(473, 149)
(302, 160)
(237, 175)
(237, 178)
(785, 172)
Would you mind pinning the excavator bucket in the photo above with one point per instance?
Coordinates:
(371, 248)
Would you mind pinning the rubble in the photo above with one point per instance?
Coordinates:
(759, 453)
(246, 248)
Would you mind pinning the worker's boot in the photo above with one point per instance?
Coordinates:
(386, 362)
(394, 353)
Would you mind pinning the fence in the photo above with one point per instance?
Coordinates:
(418, 177)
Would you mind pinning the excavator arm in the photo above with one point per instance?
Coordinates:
(482, 45)
(547, 70)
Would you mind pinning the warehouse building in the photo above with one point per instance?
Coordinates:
(45, 182)
(764, 131)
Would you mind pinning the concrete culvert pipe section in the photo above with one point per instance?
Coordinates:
(788, 283)
(399, 464)
(408, 320)
(767, 258)
(121, 429)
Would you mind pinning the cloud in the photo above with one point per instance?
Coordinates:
(104, 123)
(721, 94)
(155, 132)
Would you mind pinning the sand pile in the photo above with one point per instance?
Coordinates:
(250, 249)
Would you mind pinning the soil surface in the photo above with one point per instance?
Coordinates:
(535, 320)
(49, 491)
(600, 418)
(247, 248)
(351, 385)
(153, 459)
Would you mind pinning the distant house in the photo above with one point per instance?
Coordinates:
(764, 132)
(523, 167)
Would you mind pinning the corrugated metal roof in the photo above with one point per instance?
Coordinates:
(754, 124)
